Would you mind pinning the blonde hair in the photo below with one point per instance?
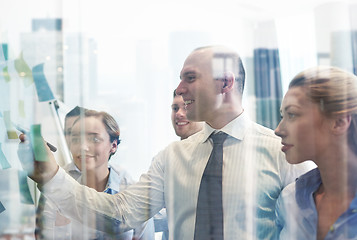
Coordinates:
(335, 91)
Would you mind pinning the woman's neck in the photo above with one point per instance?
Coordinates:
(338, 174)
(97, 179)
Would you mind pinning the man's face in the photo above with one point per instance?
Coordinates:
(199, 90)
(182, 126)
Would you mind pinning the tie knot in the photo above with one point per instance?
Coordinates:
(218, 138)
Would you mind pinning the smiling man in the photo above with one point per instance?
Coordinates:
(252, 169)
(182, 126)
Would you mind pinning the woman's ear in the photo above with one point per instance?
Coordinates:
(228, 82)
(114, 146)
(341, 124)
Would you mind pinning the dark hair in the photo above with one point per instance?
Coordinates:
(111, 125)
(236, 66)
(76, 111)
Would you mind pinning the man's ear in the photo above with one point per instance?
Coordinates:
(341, 124)
(228, 82)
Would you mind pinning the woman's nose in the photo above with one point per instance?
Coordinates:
(278, 129)
(84, 145)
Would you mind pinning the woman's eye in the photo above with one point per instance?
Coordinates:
(95, 140)
(75, 140)
(175, 109)
(291, 115)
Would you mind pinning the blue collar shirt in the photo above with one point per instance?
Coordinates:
(297, 215)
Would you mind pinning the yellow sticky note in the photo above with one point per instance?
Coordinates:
(23, 70)
(5, 74)
(38, 144)
(11, 133)
(22, 108)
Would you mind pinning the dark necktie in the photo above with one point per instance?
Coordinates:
(209, 213)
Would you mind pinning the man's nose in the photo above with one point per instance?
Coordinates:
(181, 88)
(181, 112)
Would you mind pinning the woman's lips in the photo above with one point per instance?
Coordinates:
(286, 147)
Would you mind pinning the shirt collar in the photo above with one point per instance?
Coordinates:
(236, 128)
(305, 186)
(113, 179)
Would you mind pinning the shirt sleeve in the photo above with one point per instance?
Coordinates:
(47, 216)
(115, 213)
(146, 231)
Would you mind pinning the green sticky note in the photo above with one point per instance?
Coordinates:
(25, 194)
(2, 208)
(22, 108)
(5, 74)
(11, 133)
(23, 70)
(38, 145)
(3, 162)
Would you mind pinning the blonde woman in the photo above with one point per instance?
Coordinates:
(319, 120)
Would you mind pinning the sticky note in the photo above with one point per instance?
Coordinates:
(23, 70)
(2, 208)
(5, 74)
(3, 161)
(21, 104)
(3, 52)
(38, 145)
(25, 194)
(4, 92)
(44, 92)
(2, 66)
(11, 133)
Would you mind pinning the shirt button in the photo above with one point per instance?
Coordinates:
(354, 210)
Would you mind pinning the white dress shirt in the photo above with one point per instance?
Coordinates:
(254, 173)
(118, 180)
